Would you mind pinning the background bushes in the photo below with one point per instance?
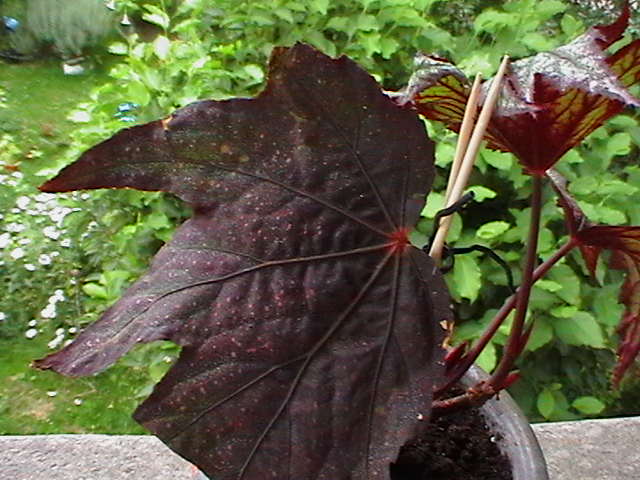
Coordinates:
(199, 49)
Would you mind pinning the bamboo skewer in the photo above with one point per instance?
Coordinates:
(470, 149)
(466, 129)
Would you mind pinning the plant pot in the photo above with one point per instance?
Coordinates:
(514, 434)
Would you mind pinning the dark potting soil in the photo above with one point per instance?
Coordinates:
(458, 446)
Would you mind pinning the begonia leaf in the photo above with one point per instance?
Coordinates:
(309, 326)
(550, 102)
(625, 64)
(439, 90)
(624, 244)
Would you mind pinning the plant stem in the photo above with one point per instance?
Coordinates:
(499, 319)
(514, 344)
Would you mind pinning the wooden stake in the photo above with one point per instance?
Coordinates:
(466, 167)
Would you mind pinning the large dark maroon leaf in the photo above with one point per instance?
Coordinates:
(551, 101)
(309, 325)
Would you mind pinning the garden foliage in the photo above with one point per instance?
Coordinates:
(207, 51)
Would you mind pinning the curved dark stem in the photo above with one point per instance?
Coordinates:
(470, 357)
(450, 210)
(484, 249)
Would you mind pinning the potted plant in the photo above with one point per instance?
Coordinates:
(311, 329)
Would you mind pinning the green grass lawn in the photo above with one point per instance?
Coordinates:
(36, 402)
(38, 97)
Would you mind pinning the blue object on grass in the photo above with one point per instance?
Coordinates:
(126, 111)
(11, 24)
(127, 107)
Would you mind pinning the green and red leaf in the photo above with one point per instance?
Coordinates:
(624, 244)
(550, 102)
(309, 326)
(439, 90)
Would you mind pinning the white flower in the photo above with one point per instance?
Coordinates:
(15, 227)
(5, 240)
(66, 243)
(17, 253)
(24, 241)
(72, 330)
(55, 343)
(52, 393)
(59, 331)
(44, 259)
(23, 202)
(32, 323)
(30, 267)
(32, 332)
(45, 197)
(51, 232)
(3, 316)
(77, 402)
(58, 296)
(49, 311)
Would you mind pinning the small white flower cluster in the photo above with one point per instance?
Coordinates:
(50, 310)
(61, 333)
(45, 209)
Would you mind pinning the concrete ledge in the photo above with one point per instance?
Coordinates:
(587, 450)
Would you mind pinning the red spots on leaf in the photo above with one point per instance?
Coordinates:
(399, 240)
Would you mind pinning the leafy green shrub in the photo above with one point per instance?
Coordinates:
(207, 50)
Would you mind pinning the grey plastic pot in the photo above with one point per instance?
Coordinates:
(513, 434)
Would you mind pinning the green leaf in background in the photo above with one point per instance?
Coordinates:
(584, 185)
(466, 278)
(161, 47)
(541, 334)
(138, 93)
(499, 160)
(488, 358)
(320, 6)
(619, 144)
(581, 329)
(546, 403)
(571, 27)
(481, 193)
(614, 186)
(565, 276)
(435, 202)
(95, 291)
(608, 310)
(156, 16)
(548, 285)
(602, 214)
(588, 405)
(118, 48)
(444, 154)
(492, 230)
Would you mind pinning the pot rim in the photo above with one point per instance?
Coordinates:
(515, 438)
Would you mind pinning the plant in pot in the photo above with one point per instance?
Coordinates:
(312, 330)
